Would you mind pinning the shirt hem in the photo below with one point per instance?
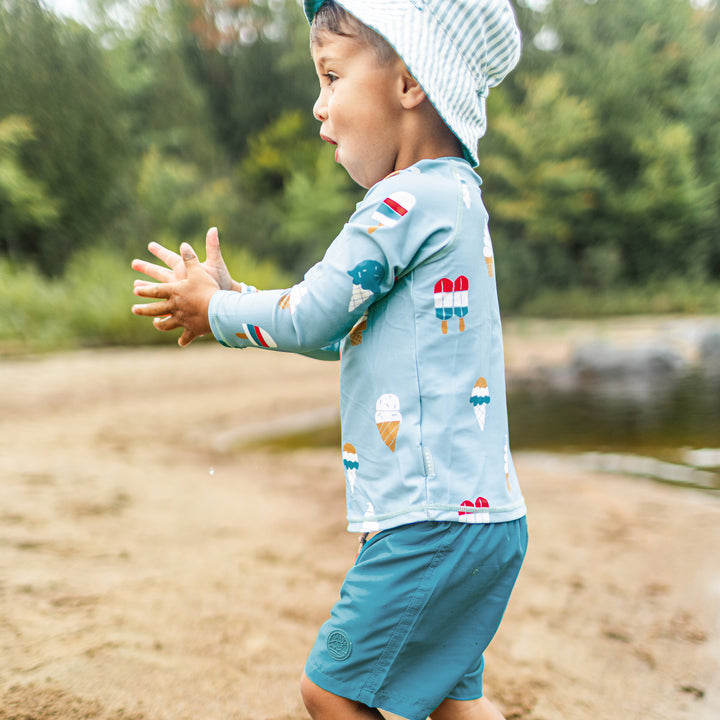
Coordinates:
(435, 514)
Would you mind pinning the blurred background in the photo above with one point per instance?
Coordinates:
(125, 122)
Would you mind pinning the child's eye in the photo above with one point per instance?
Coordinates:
(330, 78)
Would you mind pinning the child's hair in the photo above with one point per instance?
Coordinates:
(334, 19)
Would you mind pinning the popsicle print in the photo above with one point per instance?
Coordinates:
(460, 300)
(451, 298)
(444, 301)
(469, 515)
(392, 209)
(257, 336)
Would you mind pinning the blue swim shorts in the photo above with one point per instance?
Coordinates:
(415, 614)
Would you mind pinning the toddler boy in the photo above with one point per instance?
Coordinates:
(405, 296)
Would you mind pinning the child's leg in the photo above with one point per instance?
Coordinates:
(323, 705)
(480, 709)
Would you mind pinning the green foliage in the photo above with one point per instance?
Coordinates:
(299, 196)
(541, 189)
(176, 201)
(90, 305)
(250, 84)
(603, 154)
(24, 204)
(601, 166)
(55, 76)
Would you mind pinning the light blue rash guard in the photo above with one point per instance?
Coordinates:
(406, 297)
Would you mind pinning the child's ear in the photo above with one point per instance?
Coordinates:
(411, 94)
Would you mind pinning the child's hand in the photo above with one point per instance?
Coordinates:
(214, 264)
(184, 303)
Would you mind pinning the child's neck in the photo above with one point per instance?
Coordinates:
(426, 137)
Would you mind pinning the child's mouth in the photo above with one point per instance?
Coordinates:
(332, 142)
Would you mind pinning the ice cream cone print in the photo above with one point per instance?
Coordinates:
(479, 399)
(488, 253)
(465, 193)
(358, 297)
(388, 418)
(292, 298)
(460, 299)
(356, 334)
(444, 302)
(351, 465)
(366, 276)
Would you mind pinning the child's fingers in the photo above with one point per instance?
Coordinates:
(166, 323)
(212, 245)
(153, 290)
(157, 309)
(170, 258)
(186, 338)
(189, 256)
(154, 271)
(141, 283)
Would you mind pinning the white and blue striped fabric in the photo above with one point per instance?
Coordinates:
(456, 49)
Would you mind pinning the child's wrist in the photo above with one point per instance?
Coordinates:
(241, 287)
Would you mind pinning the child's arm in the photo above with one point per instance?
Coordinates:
(184, 302)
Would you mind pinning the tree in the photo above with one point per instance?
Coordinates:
(634, 62)
(603, 148)
(250, 83)
(54, 74)
(24, 204)
(295, 198)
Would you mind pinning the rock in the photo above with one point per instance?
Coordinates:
(606, 363)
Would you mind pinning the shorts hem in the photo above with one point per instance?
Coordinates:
(467, 698)
(356, 694)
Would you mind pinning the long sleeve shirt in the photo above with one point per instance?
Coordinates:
(406, 297)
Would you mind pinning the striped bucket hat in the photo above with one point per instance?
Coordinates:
(456, 49)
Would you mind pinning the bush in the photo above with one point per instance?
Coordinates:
(90, 305)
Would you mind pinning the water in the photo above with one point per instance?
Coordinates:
(683, 413)
(675, 421)
(662, 426)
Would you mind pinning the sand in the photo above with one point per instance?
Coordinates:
(155, 567)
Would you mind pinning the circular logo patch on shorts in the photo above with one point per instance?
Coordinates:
(339, 645)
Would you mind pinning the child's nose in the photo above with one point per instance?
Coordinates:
(320, 108)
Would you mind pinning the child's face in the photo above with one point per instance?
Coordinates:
(359, 107)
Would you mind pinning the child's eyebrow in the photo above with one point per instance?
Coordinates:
(325, 60)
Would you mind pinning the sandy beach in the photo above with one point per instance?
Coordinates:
(155, 565)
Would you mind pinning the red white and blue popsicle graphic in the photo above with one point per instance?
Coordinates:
(451, 298)
(392, 209)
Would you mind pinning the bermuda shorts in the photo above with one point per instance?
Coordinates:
(415, 614)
